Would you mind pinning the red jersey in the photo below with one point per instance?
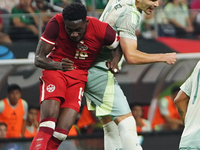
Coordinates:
(82, 53)
(1, 19)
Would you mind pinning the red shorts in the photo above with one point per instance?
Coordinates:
(56, 85)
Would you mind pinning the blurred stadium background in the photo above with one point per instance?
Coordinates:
(140, 83)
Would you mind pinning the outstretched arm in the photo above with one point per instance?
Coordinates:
(134, 56)
(181, 102)
(41, 61)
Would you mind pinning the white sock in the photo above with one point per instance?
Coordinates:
(128, 134)
(112, 139)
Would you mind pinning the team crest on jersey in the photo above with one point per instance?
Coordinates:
(51, 88)
(81, 46)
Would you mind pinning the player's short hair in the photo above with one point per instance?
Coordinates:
(74, 11)
(12, 87)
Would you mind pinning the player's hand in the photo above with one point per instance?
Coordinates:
(170, 58)
(67, 65)
(112, 66)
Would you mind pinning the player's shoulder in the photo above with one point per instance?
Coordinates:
(96, 25)
(96, 21)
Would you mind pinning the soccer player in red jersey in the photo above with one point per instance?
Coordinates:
(66, 50)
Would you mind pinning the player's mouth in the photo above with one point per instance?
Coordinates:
(150, 9)
(76, 39)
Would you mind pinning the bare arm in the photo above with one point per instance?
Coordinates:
(181, 102)
(41, 61)
(17, 22)
(173, 123)
(134, 56)
(116, 57)
(1, 27)
(23, 128)
(35, 18)
(177, 24)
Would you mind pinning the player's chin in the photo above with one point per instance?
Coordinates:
(78, 39)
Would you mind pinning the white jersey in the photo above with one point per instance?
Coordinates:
(124, 18)
(191, 134)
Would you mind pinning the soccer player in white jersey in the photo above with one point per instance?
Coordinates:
(102, 91)
(187, 103)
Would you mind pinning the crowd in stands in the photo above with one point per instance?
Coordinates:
(173, 18)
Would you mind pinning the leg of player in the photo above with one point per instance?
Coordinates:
(47, 124)
(65, 121)
(112, 139)
(128, 132)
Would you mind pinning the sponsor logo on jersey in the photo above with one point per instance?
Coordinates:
(82, 47)
(51, 88)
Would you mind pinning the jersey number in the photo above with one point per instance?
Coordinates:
(80, 95)
(80, 55)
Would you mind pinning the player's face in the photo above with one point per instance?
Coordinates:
(76, 29)
(148, 5)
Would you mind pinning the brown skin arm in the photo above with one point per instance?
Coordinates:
(23, 128)
(1, 27)
(41, 61)
(173, 123)
(116, 57)
(181, 102)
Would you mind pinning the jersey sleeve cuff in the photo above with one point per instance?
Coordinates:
(115, 43)
(47, 41)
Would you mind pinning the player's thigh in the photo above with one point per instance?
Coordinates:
(73, 94)
(52, 86)
(46, 112)
(120, 118)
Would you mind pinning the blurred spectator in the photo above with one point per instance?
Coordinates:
(195, 15)
(44, 7)
(146, 27)
(178, 14)
(159, 19)
(88, 122)
(8, 4)
(13, 111)
(26, 25)
(99, 6)
(62, 3)
(143, 125)
(4, 38)
(31, 123)
(3, 130)
(166, 115)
